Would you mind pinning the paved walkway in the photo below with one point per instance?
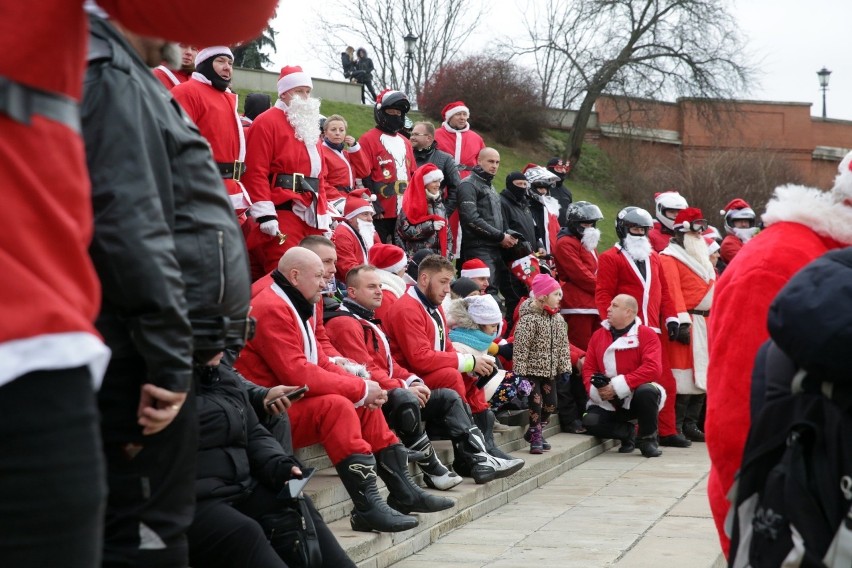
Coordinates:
(616, 510)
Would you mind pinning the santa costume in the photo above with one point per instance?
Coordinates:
(353, 245)
(463, 145)
(577, 267)
(284, 176)
(213, 107)
(170, 78)
(343, 166)
(802, 223)
(737, 209)
(422, 223)
(390, 260)
(663, 229)
(544, 208)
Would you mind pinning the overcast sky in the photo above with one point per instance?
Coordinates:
(790, 41)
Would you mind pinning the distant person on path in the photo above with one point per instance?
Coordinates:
(363, 73)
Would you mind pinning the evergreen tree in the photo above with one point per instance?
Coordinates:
(250, 54)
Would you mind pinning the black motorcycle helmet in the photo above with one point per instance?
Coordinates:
(632, 217)
(582, 212)
(391, 99)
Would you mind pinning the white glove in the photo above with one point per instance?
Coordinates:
(269, 228)
(438, 225)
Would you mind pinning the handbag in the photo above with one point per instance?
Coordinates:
(292, 533)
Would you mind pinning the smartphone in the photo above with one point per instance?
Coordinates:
(296, 485)
(294, 395)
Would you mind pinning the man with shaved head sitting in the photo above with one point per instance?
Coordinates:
(338, 410)
(483, 231)
(623, 362)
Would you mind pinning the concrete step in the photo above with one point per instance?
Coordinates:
(379, 550)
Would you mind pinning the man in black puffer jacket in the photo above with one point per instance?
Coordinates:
(174, 275)
(514, 202)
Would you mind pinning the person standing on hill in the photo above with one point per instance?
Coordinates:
(362, 72)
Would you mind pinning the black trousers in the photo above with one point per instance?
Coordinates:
(571, 399)
(151, 478)
(227, 535)
(52, 478)
(492, 257)
(385, 228)
(617, 424)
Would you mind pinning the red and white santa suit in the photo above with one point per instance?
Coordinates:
(736, 209)
(391, 166)
(354, 244)
(170, 78)
(424, 348)
(285, 351)
(389, 259)
(801, 225)
(618, 274)
(284, 178)
(577, 268)
(659, 237)
(215, 114)
(343, 167)
(690, 285)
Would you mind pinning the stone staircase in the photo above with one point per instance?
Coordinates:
(378, 550)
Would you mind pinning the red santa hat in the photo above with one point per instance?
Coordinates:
(454, 108)
(213, 51)
(357, 202)
(389, 258)
(431, 173)
(414, 201)
(526, 268)
(712, 245)
(742, 210)
(475, 268)
(293, 76)
(687, 217)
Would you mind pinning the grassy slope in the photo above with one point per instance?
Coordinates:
(360, 119)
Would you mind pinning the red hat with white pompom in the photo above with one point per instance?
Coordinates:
(690, 219)
(292, 76)
(454, 108)
(357, 202)
(389, 258)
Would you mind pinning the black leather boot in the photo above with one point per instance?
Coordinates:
(485, 422)
(405, 495)
(435, 474)
(648, 446)
(371, 513)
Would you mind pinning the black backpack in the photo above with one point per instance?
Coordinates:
(792, 500)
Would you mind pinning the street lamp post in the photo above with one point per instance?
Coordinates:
(823, 75)
(410, 45)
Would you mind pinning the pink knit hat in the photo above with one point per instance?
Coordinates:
(543, 285)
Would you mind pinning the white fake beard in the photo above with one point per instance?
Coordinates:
(697, 249)
(173, 57)
(304, 115)
(745, 235)
(367, 231)
(638, 248)
(591, 238)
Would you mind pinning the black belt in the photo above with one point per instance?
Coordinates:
(224, 328)
(20, 102)
(344, 188)
(391, 189)
(702, 313)
(296, 182)
(231, 170)
(286, 206)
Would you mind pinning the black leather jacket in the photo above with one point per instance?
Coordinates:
(167, 246)
(479, 213)
(517, 215)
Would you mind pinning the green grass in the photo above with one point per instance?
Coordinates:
(593, 183)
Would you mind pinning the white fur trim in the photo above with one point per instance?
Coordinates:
(437, 344)
(619, 383)
(293, 80)
(394, 268)
(263, 209)
(476, 273)
(434, 175)
(674, 250)
(823, 212)
(455, 110)
(356, 212)
(713, 247)
(646, 282)
(843, 181)
(168, 72)
(392, 283)
(213, 50)
(309, 340)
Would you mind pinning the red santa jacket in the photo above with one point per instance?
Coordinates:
(577, 269)
(271, 149)
(659, 239)
(618, 274)
(284, 351)
(738, 328)
(415, 339)
(462, 145)
(731, 245)
(393, 287)
(215, 114)
(364, 342)
(47, 271)
(632, 360)
(170, 78)
(390, 160)
(343, 168)
(351, 250)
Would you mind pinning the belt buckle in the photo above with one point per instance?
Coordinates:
(297, 182)
(238, 170)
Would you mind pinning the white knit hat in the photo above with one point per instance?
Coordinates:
(483, 309)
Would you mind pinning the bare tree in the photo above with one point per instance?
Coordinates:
(442, 27)
(641, 48)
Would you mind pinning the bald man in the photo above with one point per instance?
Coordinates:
(623, 363)
(338, 410)
(483, 230)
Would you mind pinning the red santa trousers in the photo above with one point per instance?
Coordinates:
(666, 421)
(580, 328)
(264, 251)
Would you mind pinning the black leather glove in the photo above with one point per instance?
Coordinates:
(683, 333)
(506, 351)
(672, 328)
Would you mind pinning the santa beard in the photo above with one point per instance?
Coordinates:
(304, 115)
(172, 56)
(591, 238)
(696, 248)
(745, 234)
(367, 231)
(638, 248)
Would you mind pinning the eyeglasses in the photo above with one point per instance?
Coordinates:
(413, 134)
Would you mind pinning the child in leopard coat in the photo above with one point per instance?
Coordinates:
(541, 353)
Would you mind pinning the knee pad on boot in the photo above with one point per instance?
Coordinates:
(403, 415)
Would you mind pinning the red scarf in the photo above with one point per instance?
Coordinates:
(416, 207)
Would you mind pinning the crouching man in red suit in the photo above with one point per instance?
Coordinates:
(623, 363)
(339, 410)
